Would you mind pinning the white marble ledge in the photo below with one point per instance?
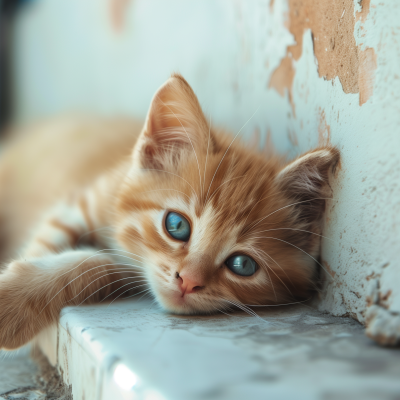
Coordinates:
(132, 350)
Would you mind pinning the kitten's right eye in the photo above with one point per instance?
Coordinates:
(241, 265)
(177, 226)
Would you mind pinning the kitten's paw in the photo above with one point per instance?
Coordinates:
(18, 324)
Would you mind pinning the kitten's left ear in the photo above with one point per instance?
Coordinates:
(175, 123)
(306, 181)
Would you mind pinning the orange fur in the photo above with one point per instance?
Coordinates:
(236, 200)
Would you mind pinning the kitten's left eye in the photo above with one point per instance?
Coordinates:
(241, 265)
(178, 226)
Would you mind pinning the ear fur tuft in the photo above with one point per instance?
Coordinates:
(306, 181)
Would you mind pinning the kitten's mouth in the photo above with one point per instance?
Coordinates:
(177, 302)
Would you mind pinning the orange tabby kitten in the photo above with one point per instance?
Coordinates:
(191, 216)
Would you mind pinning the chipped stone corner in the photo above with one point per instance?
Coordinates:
(49, 380)
(47, 384)
(383, 325)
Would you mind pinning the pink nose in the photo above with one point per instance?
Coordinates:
(188, 285)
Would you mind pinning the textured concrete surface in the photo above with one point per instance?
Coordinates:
(26, 376)
(285, 353)
(17, 370)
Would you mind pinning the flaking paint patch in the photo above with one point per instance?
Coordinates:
(282, 78)
(366, 76)
(324, 130)
(363, 14)
(332, 25)
(328, 268)
(118, 12)
(271, 5)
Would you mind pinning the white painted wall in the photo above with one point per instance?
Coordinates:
(69, 58)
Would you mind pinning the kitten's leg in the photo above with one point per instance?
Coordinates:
(33, 292)
(53, 273)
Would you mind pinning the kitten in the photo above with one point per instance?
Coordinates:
(192, 217)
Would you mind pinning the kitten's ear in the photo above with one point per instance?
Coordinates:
(175, 123)
(306, 181)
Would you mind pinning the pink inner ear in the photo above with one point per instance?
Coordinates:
(306, 181)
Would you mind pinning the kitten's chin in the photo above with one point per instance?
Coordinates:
(175, 303)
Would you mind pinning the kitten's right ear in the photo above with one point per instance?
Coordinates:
(305, 181)
(175, 123)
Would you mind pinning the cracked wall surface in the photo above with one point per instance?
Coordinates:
(316, 71)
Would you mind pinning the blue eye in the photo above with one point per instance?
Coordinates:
(241, 265)
(178, 226)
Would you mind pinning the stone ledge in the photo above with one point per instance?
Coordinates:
(131, 350)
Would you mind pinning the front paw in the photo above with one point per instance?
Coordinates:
(18, 324)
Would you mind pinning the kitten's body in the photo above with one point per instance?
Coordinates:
(237, 204)
(51, 161)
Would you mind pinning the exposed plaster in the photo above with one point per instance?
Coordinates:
(117, 13)
(335, 48)
(366, 76)
(324, 130)
(282, 78)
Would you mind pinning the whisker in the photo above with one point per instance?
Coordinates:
(279, 267)
(208, 145)
(146, 290)
(294, 229)
(246, 309)
(212, 180)
(98, 266)
(259, 201)
(229, 315)
(298, 202)
(96, 254)
(128, 291)
(278, 305)
(213, 193)
(123, 251)
(167, 172)
(108, 284)
(269, 277)
(194, 151)
(130, 283)
(283, 283)
(281, 240)
(174, 190)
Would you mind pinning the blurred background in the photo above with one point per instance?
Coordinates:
(312, 72)
(108, 57)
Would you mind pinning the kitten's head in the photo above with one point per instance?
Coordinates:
(213, 222)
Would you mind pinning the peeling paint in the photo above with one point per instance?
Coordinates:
(362, 15)
(117, 11)
(324, 130)
(366, 77)
(282, 78)
(332, 25)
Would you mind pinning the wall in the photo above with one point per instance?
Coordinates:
(311, 71)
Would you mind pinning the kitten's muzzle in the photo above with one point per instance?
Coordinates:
(188, 284)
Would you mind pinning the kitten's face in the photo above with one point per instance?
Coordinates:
(212, 222)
